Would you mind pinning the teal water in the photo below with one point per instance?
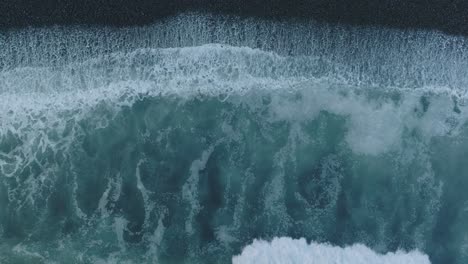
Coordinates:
(153, 145)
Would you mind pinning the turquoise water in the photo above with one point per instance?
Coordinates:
(160, 145)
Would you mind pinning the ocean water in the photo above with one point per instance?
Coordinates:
(215, 139)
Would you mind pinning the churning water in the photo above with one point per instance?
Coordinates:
(183, 141)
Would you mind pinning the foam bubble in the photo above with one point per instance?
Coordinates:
(288, 250)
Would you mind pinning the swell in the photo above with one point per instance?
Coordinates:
(189, 180)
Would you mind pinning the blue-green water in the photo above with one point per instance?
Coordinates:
(154, 145)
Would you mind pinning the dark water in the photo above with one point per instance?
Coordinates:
(446, 15)
(149, 145)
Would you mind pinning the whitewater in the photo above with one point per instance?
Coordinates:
(217, 139)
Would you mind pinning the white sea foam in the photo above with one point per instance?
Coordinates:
(40, 97)
(286, 250)
(396, 57)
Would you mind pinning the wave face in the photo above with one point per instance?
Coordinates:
(151, 145)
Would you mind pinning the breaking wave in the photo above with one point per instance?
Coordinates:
(185, 140)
